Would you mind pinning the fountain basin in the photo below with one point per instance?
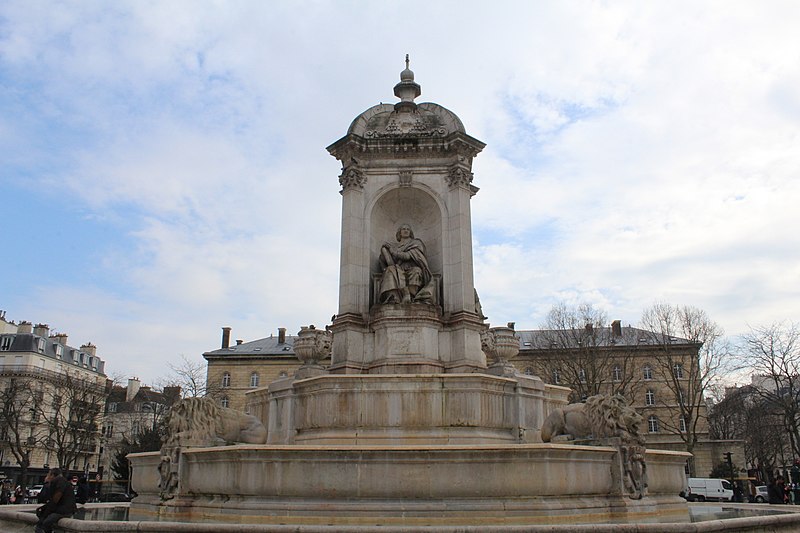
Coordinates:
(406, 485)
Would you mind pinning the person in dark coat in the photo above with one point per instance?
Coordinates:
(44, 494)
(82, 490)
(775, 491)
(60, 504)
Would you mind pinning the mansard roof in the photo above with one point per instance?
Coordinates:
(268, 346)
(627, 336)
(29, 342)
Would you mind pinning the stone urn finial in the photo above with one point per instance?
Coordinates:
(311, 346)
(500, 344)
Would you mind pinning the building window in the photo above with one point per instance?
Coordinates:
(254, 379)
(678, 369)
(650, 397)
(283, 374)
(135, 428)
(582, 375)
(112, 407)
(682, 424)
(59, 350)
(5, 344)
(556, 377)
(528, 371)
(616, 373)
(41, 345)
(647, 371)
(224, 401)
(226, 379)
(110, 430)
(652, 424)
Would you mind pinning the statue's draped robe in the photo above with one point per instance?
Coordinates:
(405, 272)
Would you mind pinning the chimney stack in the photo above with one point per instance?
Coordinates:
(226, 337)
(589, 328)
(89, 348)
(60, 338)
(239, 341)
(25, 327)
(281, 335)
(133, 388)
(43, 330)
(616, 328)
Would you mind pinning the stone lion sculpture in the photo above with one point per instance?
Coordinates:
(599, 417)
(606, 419)
(201, 422)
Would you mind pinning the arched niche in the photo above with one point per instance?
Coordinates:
(406, 205)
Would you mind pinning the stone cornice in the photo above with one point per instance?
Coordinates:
(457, 142)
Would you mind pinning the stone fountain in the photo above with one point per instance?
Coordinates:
(409, 424)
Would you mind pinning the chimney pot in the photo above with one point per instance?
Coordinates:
(239, 341)
(226, 337)
(616, 328)
(281, 335)
(89, 348)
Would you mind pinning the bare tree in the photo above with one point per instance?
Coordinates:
(689, 354)
(578, 347)
(190, 376)
(774, 353)
(20, 431)
(72, 409)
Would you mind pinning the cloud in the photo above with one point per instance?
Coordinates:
(635, 152)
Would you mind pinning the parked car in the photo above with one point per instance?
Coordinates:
(115, 497)
(702, 489)
(34, 491)
(762, 496)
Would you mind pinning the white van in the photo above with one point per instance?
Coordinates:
(702, 489)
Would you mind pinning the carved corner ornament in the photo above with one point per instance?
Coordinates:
(352, 178)
(459, 177)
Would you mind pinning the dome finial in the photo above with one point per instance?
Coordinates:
(406, 90)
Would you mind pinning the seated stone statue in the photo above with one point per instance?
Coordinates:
(406, 276)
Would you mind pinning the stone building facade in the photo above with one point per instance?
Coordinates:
(47, 382)
(130, 410)
(630, 361)
(234, 370)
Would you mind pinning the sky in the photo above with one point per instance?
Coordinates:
(163, 170)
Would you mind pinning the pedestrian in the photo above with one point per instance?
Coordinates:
(60, 504)
(82, 490)
(775, 491)
(44, 494)
(19, 494)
